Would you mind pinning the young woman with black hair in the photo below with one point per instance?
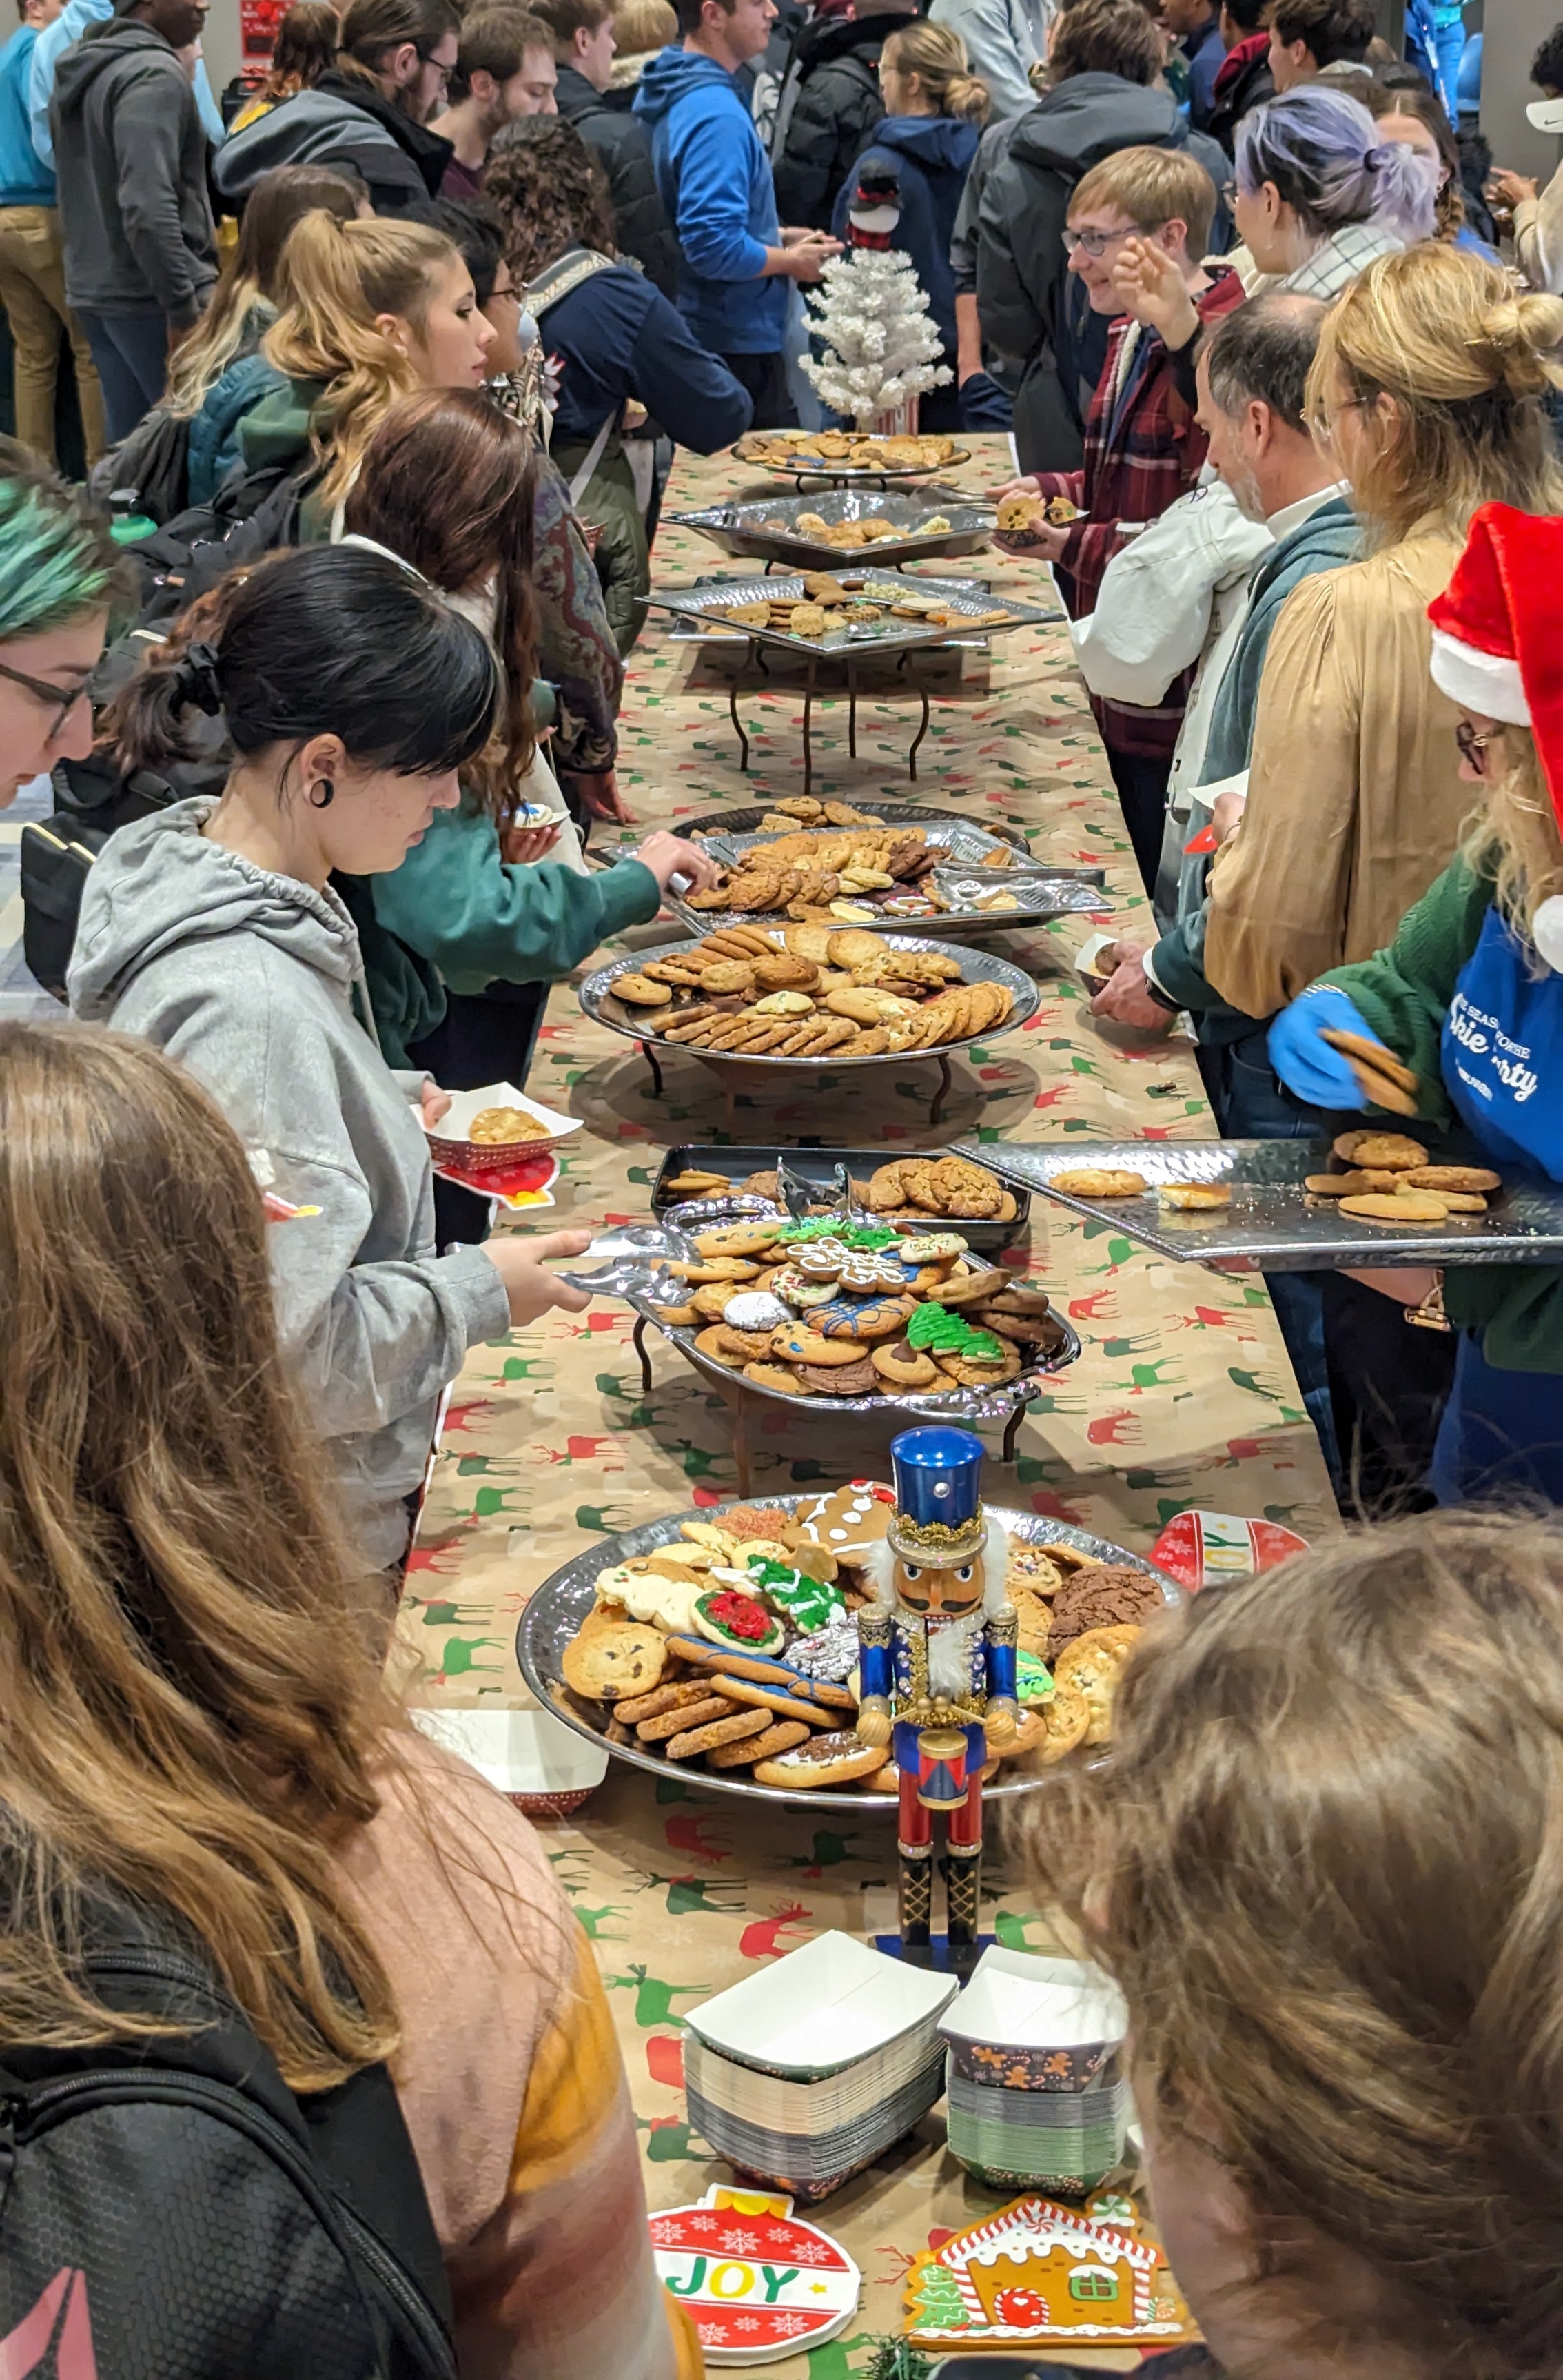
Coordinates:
(353, 695)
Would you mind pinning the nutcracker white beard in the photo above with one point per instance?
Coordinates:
(950, 1643)
(950, 1656)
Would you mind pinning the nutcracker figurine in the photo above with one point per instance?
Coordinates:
(939, 1652)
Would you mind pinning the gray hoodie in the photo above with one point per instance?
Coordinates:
(255, 983)
(130, 162)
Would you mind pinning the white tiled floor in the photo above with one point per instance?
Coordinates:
(19, 996)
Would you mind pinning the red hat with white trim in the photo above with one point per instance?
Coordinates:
(1496, 650)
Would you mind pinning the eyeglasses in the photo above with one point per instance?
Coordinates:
(1094, 243)
(62, 705)
(1470, 743)
(1322, 424)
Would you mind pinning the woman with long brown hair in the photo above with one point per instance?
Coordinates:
(197, 1734)
(621, 342)
(305, 48)
(1323, 1864)
(446, 483)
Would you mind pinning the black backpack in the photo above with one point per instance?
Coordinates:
(169, 2209)
(251, 514)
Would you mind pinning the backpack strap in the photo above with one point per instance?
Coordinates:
(565, 273)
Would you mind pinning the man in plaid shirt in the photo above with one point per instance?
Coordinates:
(1138, 223)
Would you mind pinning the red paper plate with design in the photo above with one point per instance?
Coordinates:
(756, 2284)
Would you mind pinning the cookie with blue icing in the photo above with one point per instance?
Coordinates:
(861, 1319)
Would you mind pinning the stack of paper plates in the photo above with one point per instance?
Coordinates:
(805, 2072)
(1037, 2096)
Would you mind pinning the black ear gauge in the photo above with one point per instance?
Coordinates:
(321, 793)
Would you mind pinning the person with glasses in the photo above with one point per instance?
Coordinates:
(1428, 387)
(1137, 229)
(371, 110)
(1469, 995)
(59, 574)
(504, 70)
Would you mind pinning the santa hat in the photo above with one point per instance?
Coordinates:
(1496, 651)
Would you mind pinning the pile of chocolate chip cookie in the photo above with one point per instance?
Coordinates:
(804, 991)
(909, 1189)
(823, 1308)
(732, 1645)
(842, 877)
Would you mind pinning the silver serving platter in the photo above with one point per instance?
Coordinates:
(964, 597)
(558, 1606)
(1272, 1222)
(1037, 893)
(845, 474)
(969, 1405)
(768, 531)
(596, 997)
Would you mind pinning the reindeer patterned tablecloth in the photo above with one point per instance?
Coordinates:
(1183, 1394)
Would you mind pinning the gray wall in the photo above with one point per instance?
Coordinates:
(220, 42)
(1511, 32)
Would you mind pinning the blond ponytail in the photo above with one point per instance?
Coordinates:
(938, 57)
(334, 279)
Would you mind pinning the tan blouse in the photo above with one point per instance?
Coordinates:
(1355, 802)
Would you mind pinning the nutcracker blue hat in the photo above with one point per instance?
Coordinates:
(939, 1516)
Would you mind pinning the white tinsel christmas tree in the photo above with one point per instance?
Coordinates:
(881, 343)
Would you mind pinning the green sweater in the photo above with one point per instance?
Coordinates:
(1404, 992)
(455, 902)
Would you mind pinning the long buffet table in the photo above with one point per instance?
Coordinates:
(1182, 1396)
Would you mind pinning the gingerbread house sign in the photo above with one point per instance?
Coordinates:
(1036, 2269)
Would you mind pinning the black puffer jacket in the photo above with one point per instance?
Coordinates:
(1021, 263)
(618, 139)
(829, 105)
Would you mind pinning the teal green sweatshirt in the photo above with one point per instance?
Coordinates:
(1404, 992)
(455, 901)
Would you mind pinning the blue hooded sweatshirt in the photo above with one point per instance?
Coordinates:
(715, 183)
(927, 158)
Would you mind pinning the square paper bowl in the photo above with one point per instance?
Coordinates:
(819, 2009)
(449, 1145)
(1024, 2024)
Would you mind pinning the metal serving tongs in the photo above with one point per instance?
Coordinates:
(635, 1260)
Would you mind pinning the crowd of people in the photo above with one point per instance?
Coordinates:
(380, 360)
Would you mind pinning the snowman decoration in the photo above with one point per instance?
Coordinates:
(939, 1672)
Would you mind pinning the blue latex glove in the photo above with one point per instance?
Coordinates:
(1307, 1065)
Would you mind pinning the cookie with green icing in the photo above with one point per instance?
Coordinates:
(1034, 1680)
(933, 1329)
(808, 1602)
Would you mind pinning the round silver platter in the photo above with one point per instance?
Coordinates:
(596, 996)
(949, 1404)
(561, 1603)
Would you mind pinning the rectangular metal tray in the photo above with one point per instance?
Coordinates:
(710, 598)
(1272, 1222)
(819, 1165)
(767, 529)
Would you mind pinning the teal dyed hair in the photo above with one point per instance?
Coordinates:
(57, 557)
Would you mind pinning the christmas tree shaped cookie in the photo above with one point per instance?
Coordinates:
(1038, 2271)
